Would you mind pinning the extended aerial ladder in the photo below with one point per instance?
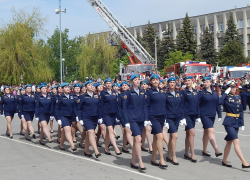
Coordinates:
(129, 43)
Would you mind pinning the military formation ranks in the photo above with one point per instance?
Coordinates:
(141, 108)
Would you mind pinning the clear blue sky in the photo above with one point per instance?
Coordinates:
(81, 18)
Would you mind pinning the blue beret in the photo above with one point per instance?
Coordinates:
(22, 88)
(154, 76)
(59, 85)
(172, 79)
(77, 85)
(98, 84)
(42, 85)
(95, 85)
(134, 76)
(6, 87)
(54, 87)
(28, 85)
(114, 84)
(206, 78)
(144, 82)
(124, 82)
(107, 80)
(188, 77)
(87, 82)
(161, 81)
(65, 84)
(38, 86)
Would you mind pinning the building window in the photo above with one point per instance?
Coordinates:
(202, 29)
(248, 53)
(195, 29)
(248, 38)
(221, 26)
(220, 40)
(241, 38)
(240, 23)
(211, 27)
(248, 22)
(172, 33)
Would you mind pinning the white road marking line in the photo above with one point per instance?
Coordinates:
(220, 132)
(87, 159)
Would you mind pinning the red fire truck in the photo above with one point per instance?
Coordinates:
(189, 68)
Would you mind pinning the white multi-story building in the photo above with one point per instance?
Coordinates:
(216, 22)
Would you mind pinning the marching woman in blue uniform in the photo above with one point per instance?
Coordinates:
(27, 110)
(209, 104)
(191, 114)
(233, 121)
(8, 108)
(55, 98)
(88, 112)
(108, 115)
(174, 116)
(23, 125)
(101, 127)
(43, 111)
(65, 114)
(146, 133)
(134, 114)
(54, 92)
(156, 113)
(243, 93)
(127, 134)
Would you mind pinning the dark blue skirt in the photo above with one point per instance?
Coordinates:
(44, 117)
(110, 120)
(190, 119)
(208, 122)
(232, 133)
(136, 128)
(67, 120)
(28, 115)
(90, 122)
(173, 124)
(157, 124)
(9, 113)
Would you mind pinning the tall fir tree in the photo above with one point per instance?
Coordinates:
(232, 52)
(185, 38)
(207, 50)
(166, 46)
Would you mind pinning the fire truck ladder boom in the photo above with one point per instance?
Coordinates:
(132, 45)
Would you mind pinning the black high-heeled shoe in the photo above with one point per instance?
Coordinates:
(194, 160)
(118, 153)
(74, 149)
(80, 146)
(218, 154)
(143, 149)
(87, 155)
(142, 169)
(175, 163)
(150, 152)
(107, 153)
(11, 137)
(34, 136)
(117, 137)
(125, 151)
(206, 154)
(58, 141)
(133, 166)
(28, 139)
(168, 159)
(162, 166)
(187, 157)
(41, 143)
(154, 164)
(98, 145)
(97, 155)
(227, 165)
(63, 149)
(243, 166)
(50, 141)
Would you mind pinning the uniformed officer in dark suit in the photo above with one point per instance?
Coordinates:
(243, 93)
(233, 121)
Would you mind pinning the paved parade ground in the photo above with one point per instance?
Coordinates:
(21, 159)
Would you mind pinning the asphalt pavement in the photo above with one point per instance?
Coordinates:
(21, 159)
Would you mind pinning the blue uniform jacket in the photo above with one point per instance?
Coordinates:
(223, 88)
(174, 105)
(76, 97)
(190, 102)
(8, 103)
(108, 103)
(65, 106)
(134, 106)
(247, 87)
(209, 103)
(243, 90)
(88, 106)
(156, 102)
(43, 105)
(26, 104)
(232, 104)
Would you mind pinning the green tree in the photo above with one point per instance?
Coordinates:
(231, 32)
(185, 38)
(177, 56)
(207, 50)
(166, 46)
(22, 53)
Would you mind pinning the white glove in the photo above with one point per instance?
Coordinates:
(147, 123)
(2, 115)
(240, 86)
(183, 122)
(81, 122)
(219, 119)
(16, 114)
(246, 82)
(117, 120)
(127, 125)
(77, 119)
(166, 124)
(51, 118)
(100, 121)
(59, 122)
(242, 128)
(228, 90)
(22, 116)
(198, 120)
(37, 119)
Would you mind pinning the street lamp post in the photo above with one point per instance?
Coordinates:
(58, 11)
(63, 61)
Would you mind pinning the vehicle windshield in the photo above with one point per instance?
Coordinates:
(237, 74)
(140, 68)
(197, 69)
